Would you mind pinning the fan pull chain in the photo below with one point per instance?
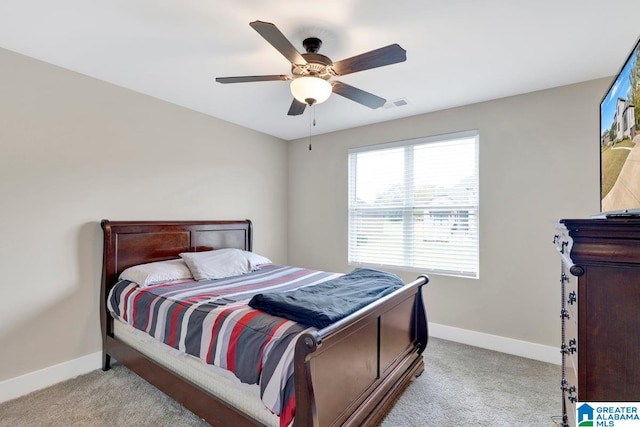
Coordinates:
(309, 132)
(314, 124)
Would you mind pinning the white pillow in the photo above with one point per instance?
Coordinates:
(221, 263)
(255, 259)
(154, 273)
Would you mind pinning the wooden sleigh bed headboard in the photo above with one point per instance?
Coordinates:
(373, 354)
(130, 243)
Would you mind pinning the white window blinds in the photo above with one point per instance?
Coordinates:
(414, 204)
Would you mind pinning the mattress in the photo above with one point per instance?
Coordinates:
(217, 381)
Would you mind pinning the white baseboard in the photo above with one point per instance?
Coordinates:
(512, 346)
(27, 383)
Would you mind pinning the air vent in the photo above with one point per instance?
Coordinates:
(396, 103)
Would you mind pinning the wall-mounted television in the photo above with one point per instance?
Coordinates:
(620, 141)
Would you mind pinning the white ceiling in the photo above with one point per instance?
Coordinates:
(458, 52)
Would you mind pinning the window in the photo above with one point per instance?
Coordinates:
(414, 204)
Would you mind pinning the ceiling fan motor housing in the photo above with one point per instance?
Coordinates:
(317, 66)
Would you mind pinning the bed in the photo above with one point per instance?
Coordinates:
(348, 373)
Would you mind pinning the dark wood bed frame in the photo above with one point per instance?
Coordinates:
(349, 373)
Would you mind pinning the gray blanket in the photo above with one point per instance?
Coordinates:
(325, 303)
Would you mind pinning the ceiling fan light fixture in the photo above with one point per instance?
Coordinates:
(310, 90)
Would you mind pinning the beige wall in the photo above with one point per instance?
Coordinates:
(539, 161)
(74, 150)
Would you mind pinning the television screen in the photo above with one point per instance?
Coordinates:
(620, 140)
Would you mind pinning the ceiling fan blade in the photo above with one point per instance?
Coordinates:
(296, 108)
(373, 59)
(358, 95)
(246, 79)
(272, 34)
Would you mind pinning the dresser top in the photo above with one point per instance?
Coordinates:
(616, 241)
(619, 227)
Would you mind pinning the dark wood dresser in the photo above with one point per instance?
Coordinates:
(600, 311)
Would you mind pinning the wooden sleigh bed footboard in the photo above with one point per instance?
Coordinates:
(349, 373)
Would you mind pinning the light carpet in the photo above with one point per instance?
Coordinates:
(461, 386)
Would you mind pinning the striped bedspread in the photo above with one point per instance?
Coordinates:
(211, 320)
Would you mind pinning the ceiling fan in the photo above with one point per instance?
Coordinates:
(312, 71)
